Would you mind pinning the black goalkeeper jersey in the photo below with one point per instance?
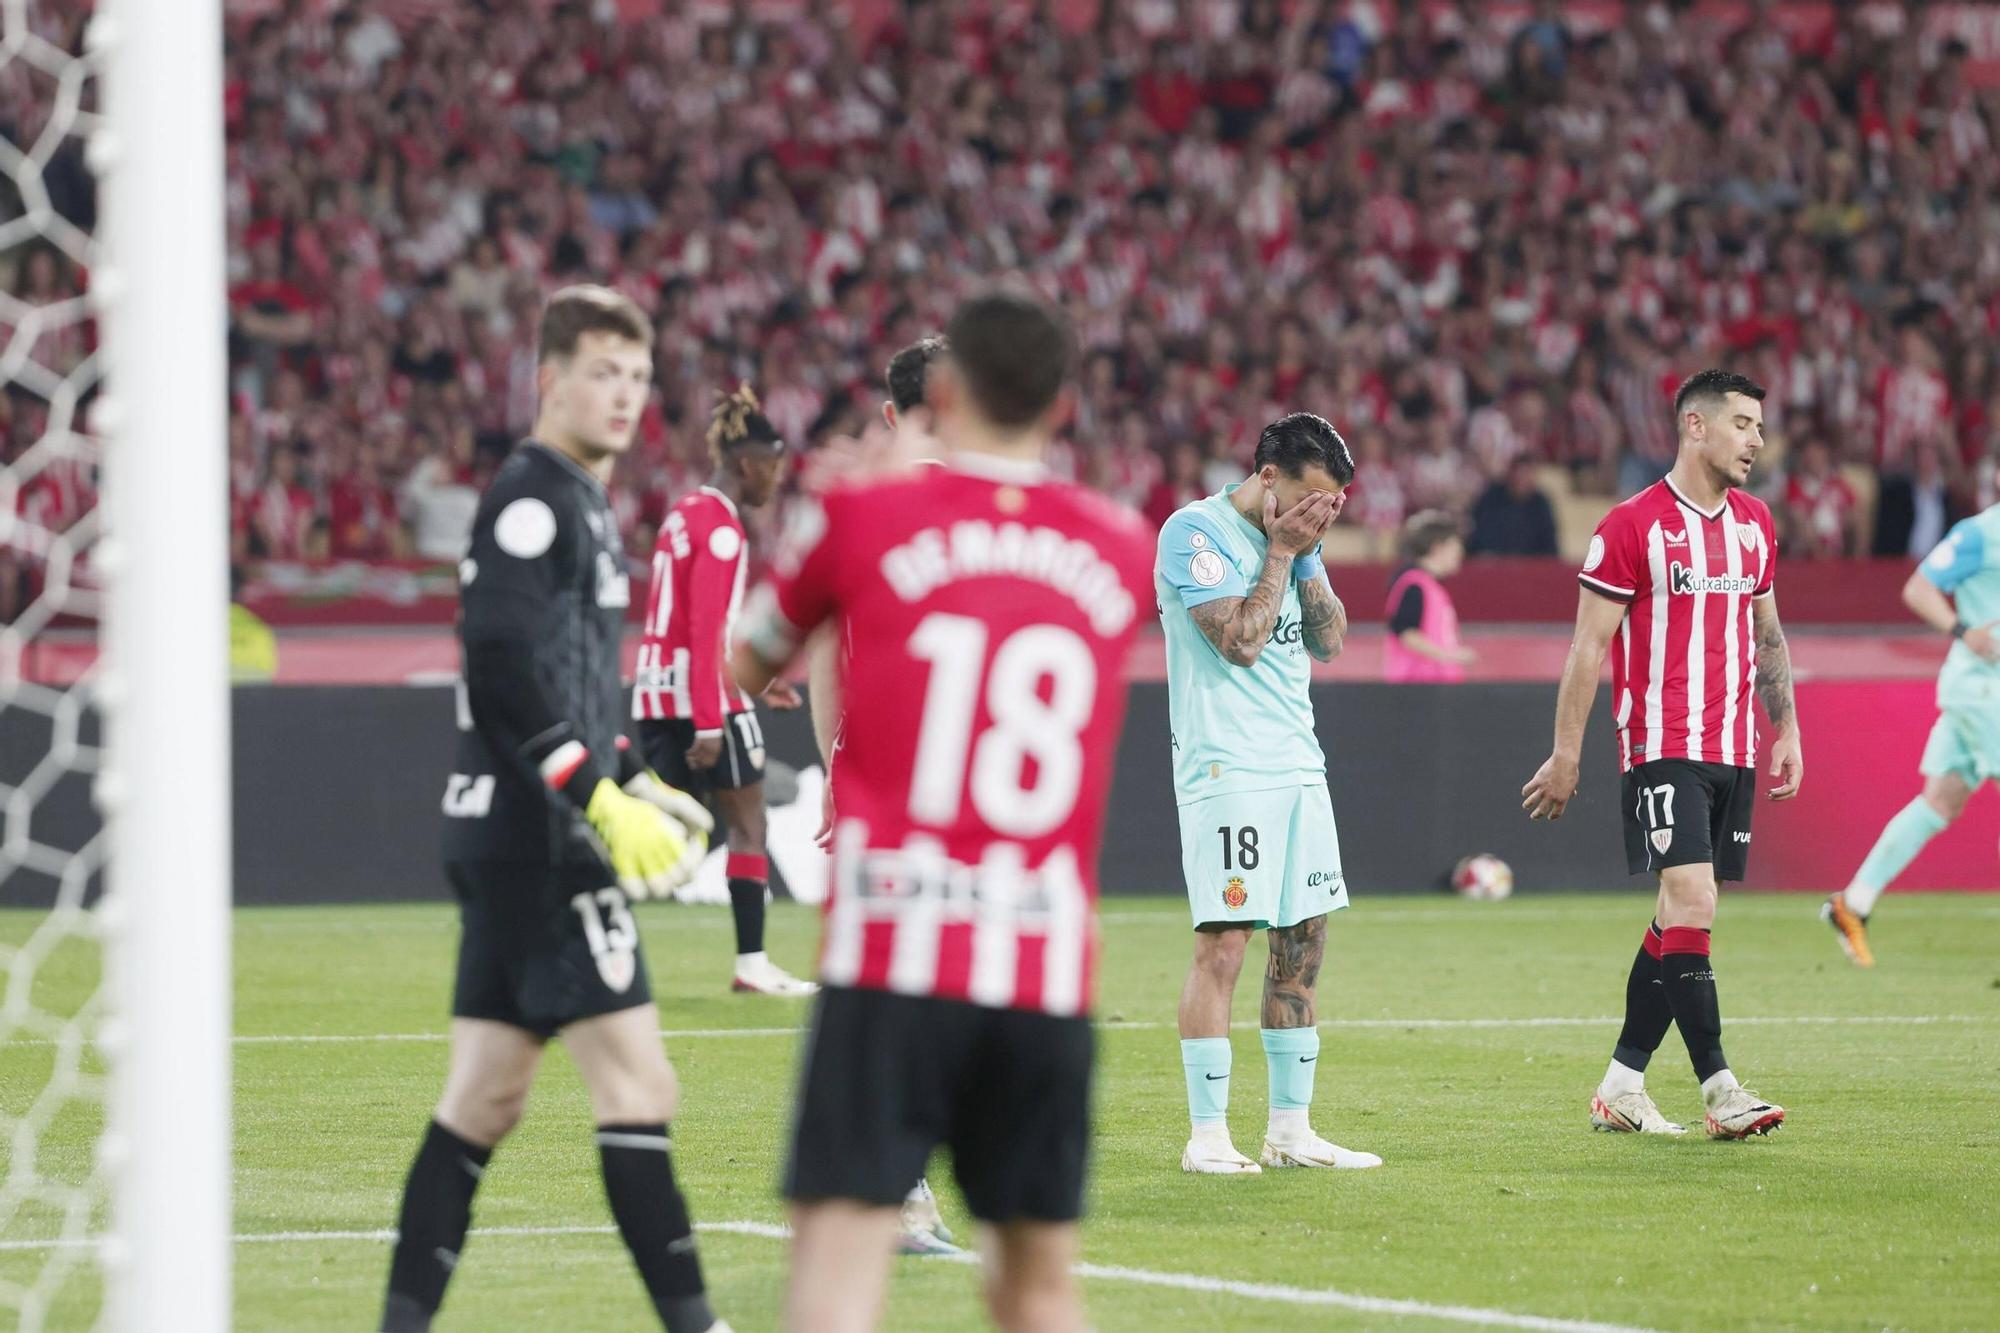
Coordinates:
(542, 596)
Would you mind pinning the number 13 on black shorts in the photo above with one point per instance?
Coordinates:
(1262, 858)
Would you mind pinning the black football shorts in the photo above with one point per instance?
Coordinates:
(544, 946)
(1679, 812)
(664, 742)
(887, 1078)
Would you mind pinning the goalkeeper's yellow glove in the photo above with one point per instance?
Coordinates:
(649, 850)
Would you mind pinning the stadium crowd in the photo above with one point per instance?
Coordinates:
(1467, 244)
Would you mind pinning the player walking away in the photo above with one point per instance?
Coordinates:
(695, 727)
(1682, 575)
(923, 1229)
(544, 847)
(1244, 598)
(1956, 591)
(989, 608)
(1423, 644)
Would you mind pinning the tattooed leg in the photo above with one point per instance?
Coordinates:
(1291, 979)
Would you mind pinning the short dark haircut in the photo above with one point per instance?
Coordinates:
(1013, 354)
(575, 311)
(1713, 384)
(1427, 530)
(909, 367)
(1299, 441)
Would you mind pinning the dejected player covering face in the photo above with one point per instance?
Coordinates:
(1246, 606)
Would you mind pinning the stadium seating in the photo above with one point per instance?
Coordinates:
(1449, 223)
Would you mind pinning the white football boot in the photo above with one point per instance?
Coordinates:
(1210, 1153)
(1735, 1112)
(1630, 1113)
(923, 1229)
(758, 975)
(1309, 1149)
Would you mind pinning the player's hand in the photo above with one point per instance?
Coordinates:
(1464, 656)
(705, 751)
(782, 695)
(1550, 790)
(648, 851)
(1299, 528)
(823, 835)
(1788, 765)
(1983, 642)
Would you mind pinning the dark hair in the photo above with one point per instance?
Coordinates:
(575, 311)
(1299, 441)
(1013, 354)
(908, 368)
(1716, 384)
(1424, 532)
(737, 422)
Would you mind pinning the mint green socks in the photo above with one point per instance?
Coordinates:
(1902, 838)
(1205, 1061)
(1293, 1055)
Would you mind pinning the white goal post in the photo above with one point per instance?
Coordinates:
(164, 790)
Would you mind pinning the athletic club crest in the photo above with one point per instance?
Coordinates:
(618, 967)
(1233, 893)
(1663, 838)
(1747, 535)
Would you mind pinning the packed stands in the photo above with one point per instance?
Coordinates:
(1468, 234)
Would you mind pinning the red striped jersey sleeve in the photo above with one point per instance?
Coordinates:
(1614, 564)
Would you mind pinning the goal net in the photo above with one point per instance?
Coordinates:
(114, 876)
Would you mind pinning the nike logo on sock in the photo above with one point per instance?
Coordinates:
(1213, 1077)
(1307, 1059)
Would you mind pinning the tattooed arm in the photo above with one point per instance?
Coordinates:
(1774, 690)
(1323, 618)
(1291, 979)
(1239, 627)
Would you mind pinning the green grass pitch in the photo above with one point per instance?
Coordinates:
(1876, 1206)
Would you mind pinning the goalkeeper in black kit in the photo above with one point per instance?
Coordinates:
(552, 829)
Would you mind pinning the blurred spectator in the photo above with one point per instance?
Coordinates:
(1181, 485)
(1823, 515)
(1916, 513)
(440, 498)
(1377, 499)
(362, 514)
(1513, 516)
(1423, 643)
(283, 512)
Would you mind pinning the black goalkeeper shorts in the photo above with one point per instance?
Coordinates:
(888, 1078)
(544, 946)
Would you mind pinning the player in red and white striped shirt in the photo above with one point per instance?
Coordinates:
(989, 610)
(1679, 584)
(696, 729)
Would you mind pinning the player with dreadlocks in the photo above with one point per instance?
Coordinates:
(695, 727)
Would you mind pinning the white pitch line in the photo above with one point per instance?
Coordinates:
(1155, 1025)
(1145, 1277)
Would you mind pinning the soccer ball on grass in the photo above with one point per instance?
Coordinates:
(1483, 878)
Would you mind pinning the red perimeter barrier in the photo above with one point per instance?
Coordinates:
(1862, 743)
(1497, 591)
